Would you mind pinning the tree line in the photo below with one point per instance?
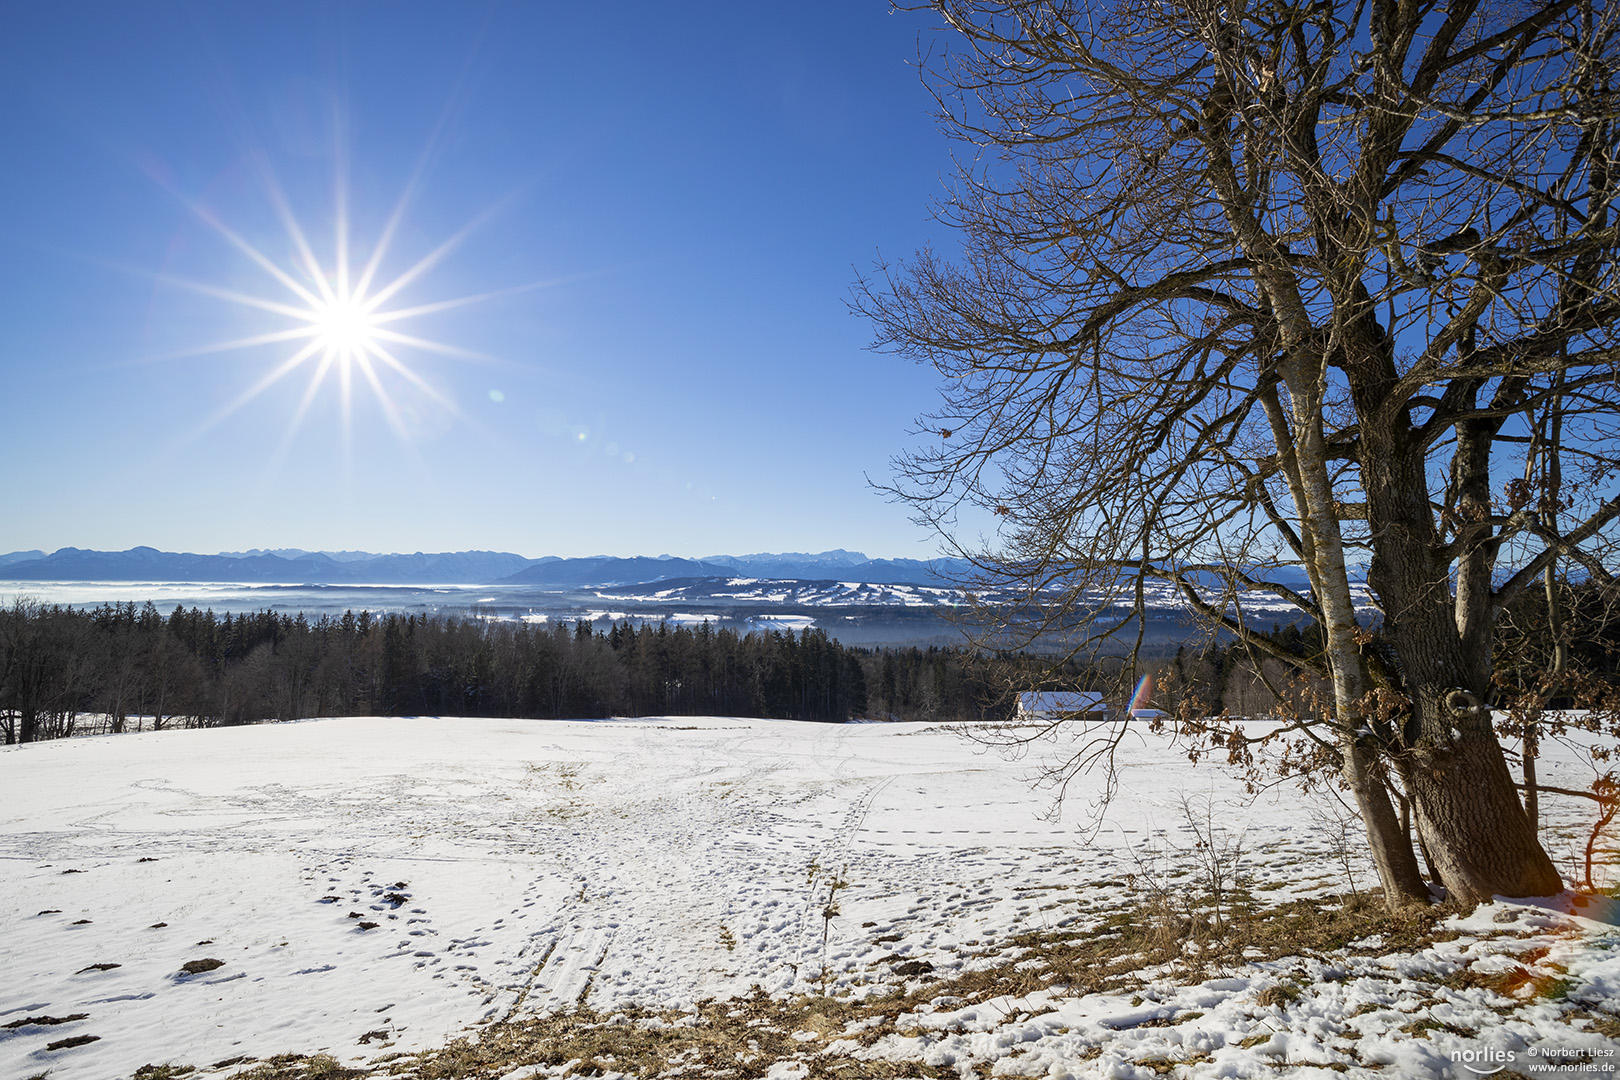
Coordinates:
(121, 666)
(1577, 635)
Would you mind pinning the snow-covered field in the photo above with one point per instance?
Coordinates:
(389, 883)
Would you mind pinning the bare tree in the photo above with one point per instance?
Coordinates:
(1250, 290)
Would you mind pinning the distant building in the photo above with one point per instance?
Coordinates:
(1042, 705)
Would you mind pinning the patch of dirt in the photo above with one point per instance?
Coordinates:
(45, 1021)
(197, 967)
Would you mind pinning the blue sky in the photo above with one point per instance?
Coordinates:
(669, 203)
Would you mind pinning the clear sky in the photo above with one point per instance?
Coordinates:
(662, 205)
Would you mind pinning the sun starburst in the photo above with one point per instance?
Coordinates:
(341, 316)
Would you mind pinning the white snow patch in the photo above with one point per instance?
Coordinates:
(660, 862)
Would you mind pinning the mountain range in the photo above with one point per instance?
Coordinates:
(295, 566)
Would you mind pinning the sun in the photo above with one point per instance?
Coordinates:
(345, 328)
(341, 320)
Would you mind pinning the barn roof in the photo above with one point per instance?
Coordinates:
(1061, 701)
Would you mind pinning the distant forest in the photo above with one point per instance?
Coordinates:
(65, 671)
(1226, 677)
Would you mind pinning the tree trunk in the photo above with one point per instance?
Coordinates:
(1478, 835)
(1532, 750)
(1330, 583)
(1389, 843)
(1468, 812)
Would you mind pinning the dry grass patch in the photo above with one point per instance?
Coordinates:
(1152, 934)
(299, 1067)
(740, 1039)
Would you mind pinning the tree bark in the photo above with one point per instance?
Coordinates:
(1479, 837)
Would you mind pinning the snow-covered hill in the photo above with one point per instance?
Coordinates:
(360, 885)
(791, 592)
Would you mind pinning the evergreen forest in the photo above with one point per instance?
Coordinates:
(120, 667)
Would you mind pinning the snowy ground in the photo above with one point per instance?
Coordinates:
(376, 883)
